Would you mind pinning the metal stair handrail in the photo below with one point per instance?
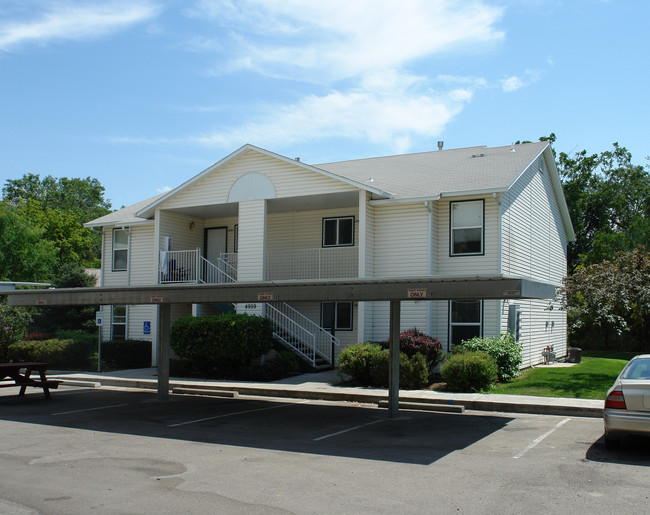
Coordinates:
(211, 273)
(302, 334)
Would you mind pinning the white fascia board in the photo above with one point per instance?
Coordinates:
(150, 209)
(119, 224)
(467, 193)
(414, 200)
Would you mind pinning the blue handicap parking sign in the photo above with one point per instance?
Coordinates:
(146, 327)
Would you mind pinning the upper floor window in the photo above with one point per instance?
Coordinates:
(120, 249)
(466, 227)
(338, 232)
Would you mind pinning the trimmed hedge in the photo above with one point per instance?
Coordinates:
(504, 349)
(368, 363)
(469, 371)
(60, 354)
(226, 342)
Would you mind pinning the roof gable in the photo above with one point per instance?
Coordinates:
(185, 189)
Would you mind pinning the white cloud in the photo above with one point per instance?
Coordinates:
(164, 189)
(339, 39)
(512, 84)
(74, 21)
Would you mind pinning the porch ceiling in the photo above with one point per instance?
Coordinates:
(339, 200)
(414, 288)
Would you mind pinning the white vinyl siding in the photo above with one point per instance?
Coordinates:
(177, 226)
(401, 240)
(302, 229)
(534, 238)
(252, 237)
(467, 265)
(289, 181)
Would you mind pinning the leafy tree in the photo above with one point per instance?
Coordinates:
(13, 327)
(609, 203)
(61, 207)
(53, 318)
(25, 255)
(608, 303)
(83, 197)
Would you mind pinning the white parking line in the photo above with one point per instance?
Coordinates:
(540, 438)
(346, 430)
(227, 415)
(88, 409)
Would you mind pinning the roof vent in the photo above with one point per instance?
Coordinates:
(479, 155)
(440, 145)
(370, 180)
(297, 159)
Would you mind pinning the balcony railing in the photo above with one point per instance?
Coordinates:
(328, 263)
(189, 266)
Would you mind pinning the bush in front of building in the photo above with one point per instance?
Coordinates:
(224, 342)
(62, 354)
(504, 349)
(412, 342)
(469, 371)
(368, 364)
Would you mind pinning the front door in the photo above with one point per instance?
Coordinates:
(215, 243)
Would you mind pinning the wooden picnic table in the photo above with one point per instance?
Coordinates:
(10, 375)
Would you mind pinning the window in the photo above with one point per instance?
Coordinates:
(465, 320)
(120, 249)
(336, 316)
(466, 228)
(338, 232)
(118, 323)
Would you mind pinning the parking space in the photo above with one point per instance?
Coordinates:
(124, 451)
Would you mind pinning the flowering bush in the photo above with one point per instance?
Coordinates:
(13, 327)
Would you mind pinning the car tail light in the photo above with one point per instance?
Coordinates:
(615, 400)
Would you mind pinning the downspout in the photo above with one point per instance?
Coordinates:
(429, 206)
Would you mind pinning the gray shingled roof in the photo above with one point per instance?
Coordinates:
(124, 216)
(428, 174)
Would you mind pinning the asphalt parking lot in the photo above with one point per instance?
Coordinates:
(119, 451)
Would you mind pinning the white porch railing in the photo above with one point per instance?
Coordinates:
(189, 266)
(301, 334)
(319, 263)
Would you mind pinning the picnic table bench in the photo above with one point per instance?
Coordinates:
(10, 375)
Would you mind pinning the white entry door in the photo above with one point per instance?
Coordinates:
(215, 243)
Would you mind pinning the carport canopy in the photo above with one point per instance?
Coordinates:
(385, 289)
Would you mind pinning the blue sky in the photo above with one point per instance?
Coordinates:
(145, 94)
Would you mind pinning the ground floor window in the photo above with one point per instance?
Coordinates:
(118, 323)
(465, 320)
(336, 316)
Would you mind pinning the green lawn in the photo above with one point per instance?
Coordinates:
(589, 379)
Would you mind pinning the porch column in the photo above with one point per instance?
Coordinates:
(164, 326)
(252, 240)
(393, 361)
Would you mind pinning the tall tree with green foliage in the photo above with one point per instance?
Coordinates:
(608, 303)
(609, 203)
(25, 253)
(60, 207)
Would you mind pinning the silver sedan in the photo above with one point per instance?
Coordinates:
(627, 406)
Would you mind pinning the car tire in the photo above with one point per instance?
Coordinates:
(611, 444)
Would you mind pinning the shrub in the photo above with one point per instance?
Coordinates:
(227, 342)
(469, 371)
(368, 363)
(65, 354)
(13, 327)
(122, 354)
(36, 335)
(355, 361)
(505, 351)
(412, 342)
(284, 364)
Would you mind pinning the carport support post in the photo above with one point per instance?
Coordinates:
(393, 361)
(163, 351)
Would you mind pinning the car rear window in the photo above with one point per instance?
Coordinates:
(637, 369)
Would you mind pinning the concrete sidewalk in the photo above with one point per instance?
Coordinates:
(325, 386)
